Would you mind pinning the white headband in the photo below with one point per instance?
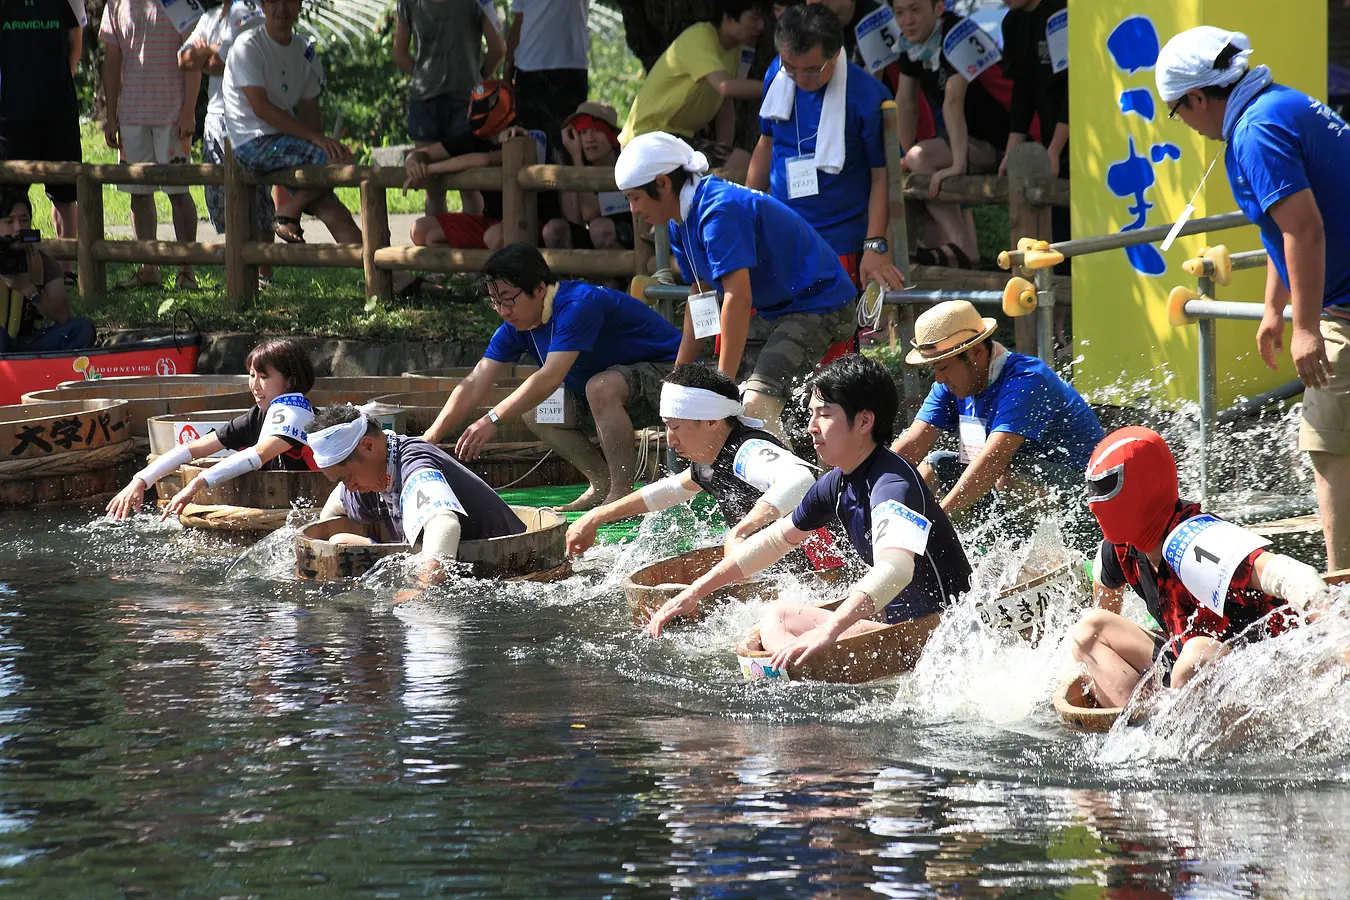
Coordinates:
(680, 402)
(652, 154)
(1186, 62)
(334, 444)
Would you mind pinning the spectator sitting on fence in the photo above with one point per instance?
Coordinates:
(39, 111)
(599, 221)
(694, 83)
(974, 123)
(446, 66)
(207, 50)
(151, 115)
(270, 73)
(851, 15)
(492, 112)
(38, 289)
(821, 149)
(601, 354)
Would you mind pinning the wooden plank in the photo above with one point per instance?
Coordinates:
(516, 153)
(62, 248)
(431, 259)
(374, 235)
(89, 219)
(1310, 524)
(161, 252)
(256, 253)
(241, 280)
(486, 178)
(1027, 160)
(149, 173)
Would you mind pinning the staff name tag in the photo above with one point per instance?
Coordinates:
(970, 50)
(743, 66)
(612, 203)
(801, 177)
(707, 316)
(879, 39)
(1205, 552)
(972, 435)
(1057, 39)
(424, 495)
(551, 411)
(897, 527)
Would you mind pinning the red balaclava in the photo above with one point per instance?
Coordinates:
(1132, 487)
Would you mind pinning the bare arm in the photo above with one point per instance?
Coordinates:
(537, 388)
(112, 91)
(724, 125)
(512, 42)
(1300, 222)
(1270, 333)
(906, 103)
(958, 136)
(983, 472)
(75, 37)
(403, 46)
(874, 266)
(761, 162)
(467, 395)
(496, 47)
(187, 115)
(1058, 142)
(734, 88)
(915, 443)
(1109, 599)
(333, 505)
(737, 307)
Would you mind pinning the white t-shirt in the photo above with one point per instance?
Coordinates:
(223, 25)
(554, 35)
(291, 73)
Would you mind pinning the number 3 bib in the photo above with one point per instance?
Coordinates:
(1204, 552)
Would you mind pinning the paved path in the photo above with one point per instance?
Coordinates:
(400, 229)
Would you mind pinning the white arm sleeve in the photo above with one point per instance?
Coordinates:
(440, 536)
(759, 551)
(1291, 580)
(890, 574)
(790, 484)
(164, 464)
(236, 464)
(669, 491)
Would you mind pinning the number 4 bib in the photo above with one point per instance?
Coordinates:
(424, 495)
(1204, 552)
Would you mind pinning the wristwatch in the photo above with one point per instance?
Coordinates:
(876, 245)
(493, 417)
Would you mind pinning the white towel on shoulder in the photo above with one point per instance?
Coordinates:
(778, 102)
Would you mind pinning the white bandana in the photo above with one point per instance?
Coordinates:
(334, 444)
(680, 402)
(652, 154)
(1186, 63)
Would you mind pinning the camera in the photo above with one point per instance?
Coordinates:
(13, 251)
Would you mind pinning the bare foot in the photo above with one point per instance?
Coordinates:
(590, 499)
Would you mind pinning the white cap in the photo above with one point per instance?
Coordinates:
(652, 154)
(1186, 63)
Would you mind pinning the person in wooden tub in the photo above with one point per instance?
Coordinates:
(916, 563)
(753, 477)
(271, 435)
(413, 492)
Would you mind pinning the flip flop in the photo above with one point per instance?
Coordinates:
(296, 236)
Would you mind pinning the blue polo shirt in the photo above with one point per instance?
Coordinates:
(730, 227)
(1285, 142)
(605, 327)
(941, 572)
(1029, 399)
(838, 212)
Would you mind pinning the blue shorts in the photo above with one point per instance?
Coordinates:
(278, 151)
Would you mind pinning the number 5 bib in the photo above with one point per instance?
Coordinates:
(1204, 552)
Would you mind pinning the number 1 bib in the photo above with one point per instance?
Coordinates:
(1204, 552)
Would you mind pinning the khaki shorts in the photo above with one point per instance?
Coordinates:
(796, 344)
(1326, 411)
(152, 144)
(644, 397)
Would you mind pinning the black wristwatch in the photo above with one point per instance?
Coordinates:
(876, 245)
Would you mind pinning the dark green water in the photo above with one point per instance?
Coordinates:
(168, 729)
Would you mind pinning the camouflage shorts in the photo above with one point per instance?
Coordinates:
(796, 344)
(644, 397)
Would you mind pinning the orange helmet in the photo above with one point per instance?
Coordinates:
(492, 108)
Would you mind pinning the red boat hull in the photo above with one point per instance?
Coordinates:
(24, 372)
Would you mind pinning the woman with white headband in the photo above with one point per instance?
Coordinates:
(271, 435)
(753, 477)
(411, 491)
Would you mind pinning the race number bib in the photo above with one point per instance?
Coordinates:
(489, 11)
(879, 39)
(743, 66)
(183, 13)
(1057, 39)
(897, 527)
(970, 50)
(612, 203)
(187, 432)
(757, 461)
(288, 416)
(425, 494)
(551, 411)
(801, 177)
(972, 435)
(1204, 552)
(707, 316)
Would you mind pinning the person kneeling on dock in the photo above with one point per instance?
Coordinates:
(754, 478)
(601, 354)
(916, 562)
(1020, 427)
(271, 435)
(411, 491)
(1205, 581)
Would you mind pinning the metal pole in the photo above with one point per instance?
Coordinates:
(1045, 316)
(1208, 388)
(665, 306)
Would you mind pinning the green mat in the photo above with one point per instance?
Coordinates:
(620, 532)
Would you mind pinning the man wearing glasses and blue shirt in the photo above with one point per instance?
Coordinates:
(602, 356)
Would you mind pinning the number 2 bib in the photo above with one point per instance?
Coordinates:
(1204, 552)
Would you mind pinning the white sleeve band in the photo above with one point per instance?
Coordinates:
(790, 484)
(233, 466)
(890, 574)
(164, 464)
(440, 536)
(1293, 581)
(669, 491)
(759, 551)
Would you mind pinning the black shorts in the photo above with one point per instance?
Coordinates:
(438, 120)
(623, 230)
(54, 141)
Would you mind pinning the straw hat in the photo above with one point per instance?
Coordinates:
(947, 329)
(602, 111)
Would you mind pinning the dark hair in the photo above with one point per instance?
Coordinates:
(733, 9)
(678, 179)
(340, 414)
(287, 357)
(1222, 62)
(11, 195)
(858, 383)
(519, 264)
(802, 28)
(698, 375)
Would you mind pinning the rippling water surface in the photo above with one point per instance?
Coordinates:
(176, 723)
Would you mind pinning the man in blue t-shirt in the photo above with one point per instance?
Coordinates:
(1288, 161)
(1019, 426)
(601, 357)
(916, 564)
(759, 254)
(820, 148)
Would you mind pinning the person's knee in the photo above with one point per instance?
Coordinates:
(603, 234)
(427, 231)
(921, 159)
(606, 391)
(492, 238)
(1195, 653)
(1088, 632)
(557, 234)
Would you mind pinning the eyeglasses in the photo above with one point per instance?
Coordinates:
(502, 303)
(807, 74)
(1184, 101)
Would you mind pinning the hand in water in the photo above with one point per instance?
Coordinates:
(682, 604)
(804, 647)
(127, 501)
(183, 497)
(581, 535)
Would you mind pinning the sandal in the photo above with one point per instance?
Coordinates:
(948, 255)
(288, 229)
